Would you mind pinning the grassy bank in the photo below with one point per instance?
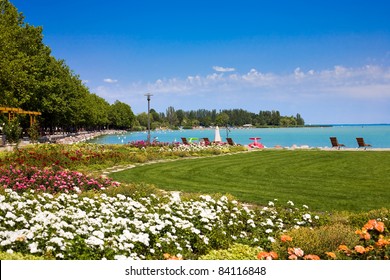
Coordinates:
(325, 180)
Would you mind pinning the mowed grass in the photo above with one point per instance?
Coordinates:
(323, 180)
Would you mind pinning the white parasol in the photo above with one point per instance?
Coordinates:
(217, 137)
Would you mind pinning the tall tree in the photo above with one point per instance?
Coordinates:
(171, 116)
(121, 116)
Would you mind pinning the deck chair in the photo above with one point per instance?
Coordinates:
(335, 143)
(206, 141)
(361, 143)
(230, 141)
(184, 140)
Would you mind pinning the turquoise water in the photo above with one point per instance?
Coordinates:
(376, 135)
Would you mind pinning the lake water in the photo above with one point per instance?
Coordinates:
(376, 135)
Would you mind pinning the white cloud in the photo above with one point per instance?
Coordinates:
(223, 69)
(304, 91)
(110, 81)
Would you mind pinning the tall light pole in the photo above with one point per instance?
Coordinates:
(148, 95)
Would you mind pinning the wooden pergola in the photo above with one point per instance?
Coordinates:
(12, 112)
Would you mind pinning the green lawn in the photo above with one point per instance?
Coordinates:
(323, 180)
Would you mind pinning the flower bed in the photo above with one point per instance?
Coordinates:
(73, 227)
(92, 156)
(50, 180)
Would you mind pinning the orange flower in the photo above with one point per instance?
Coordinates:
(267, 256)
(311, 257)
(382, 242)
(169, 257)
(292, 257)
(331, 255)
(363, 234)
(296, 251)
(370, 224)
(374, 224)
(360, 249)
(285, 238)
(262, 255)
(380, 226)
(343, 248)
(274, 255)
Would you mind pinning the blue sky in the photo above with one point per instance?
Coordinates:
(327, 60)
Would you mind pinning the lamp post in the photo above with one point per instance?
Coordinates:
(148, 95)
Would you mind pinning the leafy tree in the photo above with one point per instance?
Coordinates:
(142, 118)
(121, 116)
(222, 119)
(180, 116)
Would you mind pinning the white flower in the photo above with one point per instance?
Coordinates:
(271, 239)
(271, 203)
(60, 256)
(269, 222)
(98, 234)
(33, 247)
(306, 217)
(92, 240)
(268, 230)
(290, 202)
(10, 215)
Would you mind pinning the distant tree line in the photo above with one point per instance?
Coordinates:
(203, 117)
(33, 80)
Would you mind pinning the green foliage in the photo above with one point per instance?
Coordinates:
(133, 190)
(121, 116)
(234, 252)
(318, 240)
(19, 256)
(12, 131)
(357, 219)
(33, 132)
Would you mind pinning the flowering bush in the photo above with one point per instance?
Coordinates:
(373, 246)
(56, 180)
(67, 226)
(276, 218)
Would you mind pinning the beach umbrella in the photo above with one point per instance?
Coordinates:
(217, 137)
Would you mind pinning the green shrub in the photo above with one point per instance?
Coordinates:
(358, 219)
(235, 252)
(18, 256)
(133, 190)
(319, 240)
